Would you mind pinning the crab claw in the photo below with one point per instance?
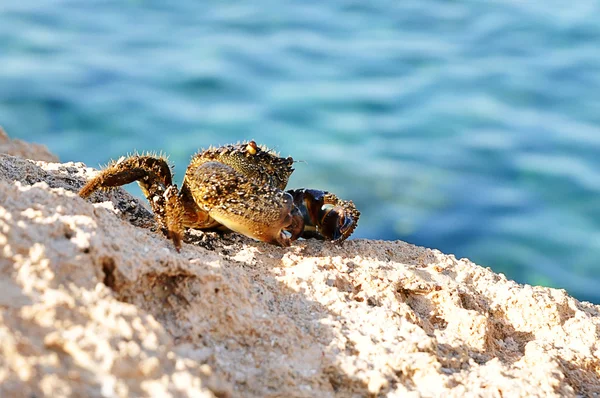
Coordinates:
(297, 226)
(325, 215)
(337, 222)
(293, 226)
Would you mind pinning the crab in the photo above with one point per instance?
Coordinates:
(238, 188)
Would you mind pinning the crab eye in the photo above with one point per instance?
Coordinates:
(252, 148)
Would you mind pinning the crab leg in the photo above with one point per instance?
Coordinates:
(325, 215)
(147, 170)
(153, 174)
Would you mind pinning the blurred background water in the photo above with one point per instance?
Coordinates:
(472, 127)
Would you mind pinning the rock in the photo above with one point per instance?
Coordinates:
(95, 303)
(23, 149)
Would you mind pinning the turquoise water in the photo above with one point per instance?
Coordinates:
(472, 127)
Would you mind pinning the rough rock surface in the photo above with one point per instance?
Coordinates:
(24, 149)
(94, 303)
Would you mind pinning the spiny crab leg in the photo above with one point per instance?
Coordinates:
(325, 215)
(149, 170)
(153, 174)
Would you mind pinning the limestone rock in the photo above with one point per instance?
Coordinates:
(95, 303)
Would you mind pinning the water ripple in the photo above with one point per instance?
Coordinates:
(466, 126)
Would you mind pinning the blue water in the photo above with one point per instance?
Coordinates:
(472, 127)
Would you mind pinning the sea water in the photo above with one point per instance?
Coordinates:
(472, 127)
